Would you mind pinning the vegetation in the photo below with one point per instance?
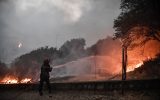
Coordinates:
(104, 47)
(3, 69)
(28, 65)
(138, 20)
(149, 70)
(70, 50)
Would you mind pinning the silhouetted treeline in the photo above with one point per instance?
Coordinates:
(29, 64)
(72, 50)
(3, 69)
(104, 47)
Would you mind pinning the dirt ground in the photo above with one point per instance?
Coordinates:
(79, 95)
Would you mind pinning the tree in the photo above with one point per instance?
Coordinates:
(28, 65)
(3, 69)
(73, 48)
(104, 47)
(139, 20)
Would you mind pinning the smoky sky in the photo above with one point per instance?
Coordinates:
(38, 23)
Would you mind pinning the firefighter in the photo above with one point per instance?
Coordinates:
(44, 76)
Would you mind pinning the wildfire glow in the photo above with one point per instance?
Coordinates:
(133, 67)
(26, 80)
(10, 80)
(13, 80)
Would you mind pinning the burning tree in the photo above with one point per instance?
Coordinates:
(138, 18)
(137, 24)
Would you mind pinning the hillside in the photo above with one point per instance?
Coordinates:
(86, 69)
(149, 70)
(28, 65)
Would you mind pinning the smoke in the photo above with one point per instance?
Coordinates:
(103, 60)
(72, 9)
(141, 53)
(39, 23)
(87, 68)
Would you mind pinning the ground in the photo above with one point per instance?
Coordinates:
(79, 95)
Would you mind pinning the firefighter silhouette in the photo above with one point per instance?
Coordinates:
(44, 76)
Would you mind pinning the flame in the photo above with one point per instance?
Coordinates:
(26, 80)
(14, 80)
(133, 67)
(10, 80)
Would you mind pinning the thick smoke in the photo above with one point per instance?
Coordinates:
(102, 61)
(73, 62)
(72, 9)
(37, 23)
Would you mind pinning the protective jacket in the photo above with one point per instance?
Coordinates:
(45, 69)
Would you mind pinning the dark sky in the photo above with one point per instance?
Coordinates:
(37, 23)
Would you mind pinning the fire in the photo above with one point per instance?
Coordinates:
(26, 80)
(10, 80)
(14, 80)
(133, 67)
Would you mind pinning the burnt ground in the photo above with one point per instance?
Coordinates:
(79, 95)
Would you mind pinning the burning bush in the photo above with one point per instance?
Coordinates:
(150, 69)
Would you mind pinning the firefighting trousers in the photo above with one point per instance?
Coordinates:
(41, 85)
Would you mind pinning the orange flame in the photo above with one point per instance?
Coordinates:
(14, 80)
(10, 80)
(26, 80)
(133, 67)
